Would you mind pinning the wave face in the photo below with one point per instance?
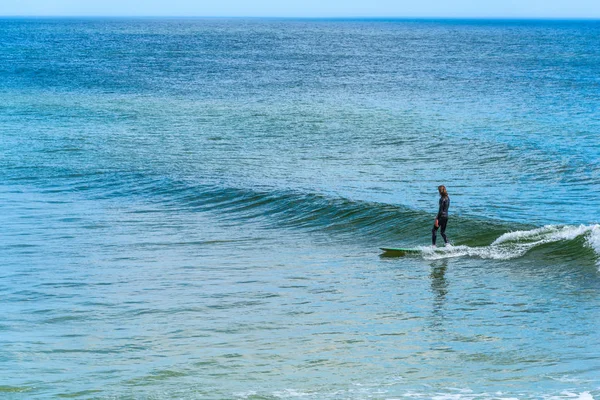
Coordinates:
(359, 221)
(347, 220)
(341, 219)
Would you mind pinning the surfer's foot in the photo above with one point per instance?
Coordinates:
(433, 246)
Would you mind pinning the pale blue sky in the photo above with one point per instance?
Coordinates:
(308, 8)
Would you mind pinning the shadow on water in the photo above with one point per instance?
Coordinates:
(439, 289)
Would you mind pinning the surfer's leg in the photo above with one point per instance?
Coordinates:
(433, 231)
(443, 223)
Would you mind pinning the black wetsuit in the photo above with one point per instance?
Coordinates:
(442, 218)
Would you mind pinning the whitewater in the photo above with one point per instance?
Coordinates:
(515, 244)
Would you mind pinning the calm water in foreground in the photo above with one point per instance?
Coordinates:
(192, 208)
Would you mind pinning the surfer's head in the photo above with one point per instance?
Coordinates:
(442, 190)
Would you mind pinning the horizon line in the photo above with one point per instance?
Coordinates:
(358, 17)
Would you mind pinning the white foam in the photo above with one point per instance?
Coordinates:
(571, 396)
(245, 395)
(515, 244)
(449, 394)
(290, 393)
(466, 395)
(593, 239)
(546, 234)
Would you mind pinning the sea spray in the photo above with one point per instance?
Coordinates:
(593, 241)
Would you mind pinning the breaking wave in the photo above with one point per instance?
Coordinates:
(348, 220)
(516, 244)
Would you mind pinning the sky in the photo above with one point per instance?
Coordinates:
(307, 8)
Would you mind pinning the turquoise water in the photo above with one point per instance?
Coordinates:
(193, 208)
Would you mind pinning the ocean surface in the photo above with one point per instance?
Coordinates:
(193, 209)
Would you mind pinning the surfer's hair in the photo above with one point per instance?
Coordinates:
(442, 190)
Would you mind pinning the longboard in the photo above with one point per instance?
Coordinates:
(400, 250)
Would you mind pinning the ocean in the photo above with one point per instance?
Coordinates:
(192, 208)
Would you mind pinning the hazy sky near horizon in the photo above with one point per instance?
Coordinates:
(306, 8)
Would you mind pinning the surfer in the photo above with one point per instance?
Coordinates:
(441, 218)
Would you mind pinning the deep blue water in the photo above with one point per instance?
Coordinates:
(193, 208)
